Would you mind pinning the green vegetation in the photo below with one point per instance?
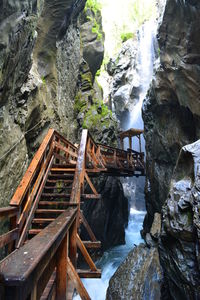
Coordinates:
(96, 27)
(93, 5)
(125, 36)
(97, 116)
(43, 80)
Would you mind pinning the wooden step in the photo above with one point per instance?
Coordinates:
(49, 211)
(57, 180)
(34, 231)
(89, 273)
(42, 221)
(64, 170)
(91, 196)
(90, 244)
(56, 203)
(60, 176)
(57, 188)
(63, 166)
(55, 195)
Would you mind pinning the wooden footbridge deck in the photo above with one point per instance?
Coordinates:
(45, 216)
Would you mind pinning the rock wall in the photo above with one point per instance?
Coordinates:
(171, 110)
(171, 114)
(36, 87)
(180, 235)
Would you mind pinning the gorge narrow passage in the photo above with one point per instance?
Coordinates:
(133, 187)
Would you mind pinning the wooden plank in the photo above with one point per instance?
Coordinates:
(8, 212)
(71, 170)
(55, 195)
(31, 260)
(49, 211)
(91, 196)
(41, 221)
(87, 227)
(91, 245)
(34, 207)
(88, 273)
(72, 243)
(90, 184)
(76, 281)
(66, 150)
(56, 203)
(85, 253)
(34, 231)
(24, 184)
(8, 237)
(61, 269)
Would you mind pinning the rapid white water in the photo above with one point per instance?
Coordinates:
(112, 258)
(146, 58)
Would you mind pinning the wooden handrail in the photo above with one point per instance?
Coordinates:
(31, 171)
(34, 259)
(8, 212)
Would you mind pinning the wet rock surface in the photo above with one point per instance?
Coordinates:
(171, 109)
(108, 216)
(139, 277)
(179, 246)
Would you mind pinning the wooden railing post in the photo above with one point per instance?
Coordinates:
(61, 270)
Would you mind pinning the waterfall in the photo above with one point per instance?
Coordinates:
(134, 187)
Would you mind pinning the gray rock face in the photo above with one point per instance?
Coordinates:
(108, 216)
(39, 52)
(171, 110)
(180, 235)
(125, 80)
(138, 277)
(92, 38)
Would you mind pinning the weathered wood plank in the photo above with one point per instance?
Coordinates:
(88, 273)
(8, 212)
(85, 253)
(8, 237)
(76, 281)
(61, 269)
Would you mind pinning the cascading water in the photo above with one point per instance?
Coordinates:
(114, 257)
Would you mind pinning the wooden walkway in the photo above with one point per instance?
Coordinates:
(45, 216)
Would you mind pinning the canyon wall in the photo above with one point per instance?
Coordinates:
(171, 114)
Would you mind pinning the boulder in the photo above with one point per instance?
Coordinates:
(139, 277)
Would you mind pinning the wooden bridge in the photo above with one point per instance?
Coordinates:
(45, 216)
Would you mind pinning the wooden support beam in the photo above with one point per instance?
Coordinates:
(89, 273)
(85, 253)
(92, 245)
(77, 281)
(61, 267)
(90, 183)
(87, 227)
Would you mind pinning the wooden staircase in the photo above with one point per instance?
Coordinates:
(48, 202)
